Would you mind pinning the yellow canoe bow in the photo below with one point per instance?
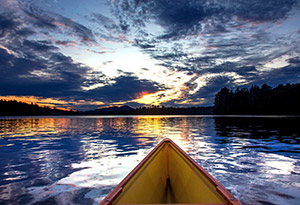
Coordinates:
(167, 175)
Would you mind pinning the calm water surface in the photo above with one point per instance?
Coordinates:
(79, 160)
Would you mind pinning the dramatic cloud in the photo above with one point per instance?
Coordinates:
(232, 38)
(52, 21)
(37, 67)
(47, 73)
(125, 88)
(175, 52)
(6, 25)
(181, 17)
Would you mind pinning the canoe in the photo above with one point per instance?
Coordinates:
(167, 175)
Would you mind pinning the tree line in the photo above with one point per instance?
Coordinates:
(15, 108)
(264, 100)
(157, 110)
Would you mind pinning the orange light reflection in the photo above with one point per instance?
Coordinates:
(50, 102)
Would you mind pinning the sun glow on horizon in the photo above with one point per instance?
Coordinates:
(51, 102)
(161, 96)
(152, 98)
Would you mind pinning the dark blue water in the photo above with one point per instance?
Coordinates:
(69, 160)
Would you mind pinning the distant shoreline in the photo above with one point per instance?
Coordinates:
(283, 100)
(150, 116)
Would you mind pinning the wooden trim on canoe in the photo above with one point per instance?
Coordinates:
(118, 189)
(176, 204)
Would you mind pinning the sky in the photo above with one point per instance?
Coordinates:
(83, 55)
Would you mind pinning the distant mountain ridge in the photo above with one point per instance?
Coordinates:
(106, 110)
(154, 110)
(14, 108)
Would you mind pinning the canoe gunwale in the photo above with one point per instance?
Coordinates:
(117, 191)
(178, 204)
(220, 188)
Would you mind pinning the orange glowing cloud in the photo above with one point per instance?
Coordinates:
(155, 98)
(7, 50)
(109, 106)
(151, 98)
(50, 102)
(174, 93)
(141, 94)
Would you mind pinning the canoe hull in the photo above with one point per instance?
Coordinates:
(167, 175)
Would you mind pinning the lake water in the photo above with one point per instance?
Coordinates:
(79, 160)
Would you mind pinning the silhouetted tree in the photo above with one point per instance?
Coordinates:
(12, 107)
(264, 100)
(223, 100)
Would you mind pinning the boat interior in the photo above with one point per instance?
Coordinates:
(168, 177)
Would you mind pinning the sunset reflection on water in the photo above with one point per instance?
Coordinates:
(80, 159)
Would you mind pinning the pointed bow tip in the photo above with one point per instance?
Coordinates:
(167, 140)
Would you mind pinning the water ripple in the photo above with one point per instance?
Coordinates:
(79, 160)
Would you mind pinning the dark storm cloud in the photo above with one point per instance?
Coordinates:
(52, 74)
(143, 44)
(15, 24)
(230, 36)
(198, 37)
(39, 46)
(11, 26)
(170, 56)
(213, 86)
(245, 71)
(181, 17)
(96, 77)
(261, 11)
(6, 25)
(55, 22)
(106, 22)
(5, 58)
(126, 87)
(208, 91)
(107, 30)
(37, 67)
(65, 43)
(40, 18)
(85, 34)
(294, 61)
(235, 54)
(25, 32)
(34, 67)
(287, 74)
(48, 75)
